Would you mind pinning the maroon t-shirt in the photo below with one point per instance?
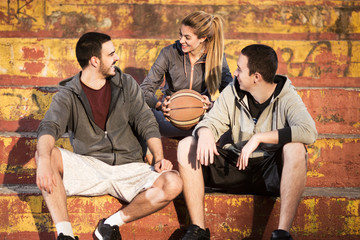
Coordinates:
(100, 102)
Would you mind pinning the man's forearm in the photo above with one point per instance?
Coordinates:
(268, 137)
(155, 146)
(44, 146)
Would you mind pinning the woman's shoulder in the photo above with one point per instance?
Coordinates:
(172, 53)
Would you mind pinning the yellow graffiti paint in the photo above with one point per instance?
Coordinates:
(17, 103)
(15, 10)
(225, 227)
(59, 54)
(323, 145)
(314, 174)
(329, 143)
(209, 2)
(24, 214)
(355, 21)
(311, 219)
(7, 141)
(64, 143)
(352, 218)
(237, 202)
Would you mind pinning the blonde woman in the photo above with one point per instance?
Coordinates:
(196, 61)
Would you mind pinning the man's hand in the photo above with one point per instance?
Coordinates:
(45, 177)
(246, 151)
(206, 147)
(163, 165)
(265, 137)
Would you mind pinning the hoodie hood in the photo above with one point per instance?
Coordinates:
(279, 79)
(73, 84)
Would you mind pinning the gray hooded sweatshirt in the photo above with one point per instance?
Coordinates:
(286, 110)
(128, 117)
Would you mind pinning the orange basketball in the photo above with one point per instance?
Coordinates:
(186, 109)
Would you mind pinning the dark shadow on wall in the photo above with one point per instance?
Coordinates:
(138, 74)
(22, 179)
(263, 207)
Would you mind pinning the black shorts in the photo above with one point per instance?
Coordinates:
(261, 176)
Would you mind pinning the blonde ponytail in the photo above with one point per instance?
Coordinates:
(211, 27)
(215, 54)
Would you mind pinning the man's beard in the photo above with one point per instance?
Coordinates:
(106, 72)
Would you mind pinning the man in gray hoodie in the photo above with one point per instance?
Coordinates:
(270, 126)
(104, 112)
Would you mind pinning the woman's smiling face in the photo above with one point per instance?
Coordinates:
(189, 41)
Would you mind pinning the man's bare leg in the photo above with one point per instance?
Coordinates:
(56, 200)
(191, 173)
(167, 187)
(293, 182)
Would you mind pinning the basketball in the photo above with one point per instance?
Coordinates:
(186, 109)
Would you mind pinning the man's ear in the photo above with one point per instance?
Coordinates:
(257, 77)
(94, 61)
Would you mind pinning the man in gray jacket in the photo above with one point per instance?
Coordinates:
(270, 126)
(104, 113)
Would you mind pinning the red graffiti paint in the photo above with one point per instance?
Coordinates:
(33, 53)
(33, 67)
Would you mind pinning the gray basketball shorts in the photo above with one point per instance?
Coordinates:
(88, 176)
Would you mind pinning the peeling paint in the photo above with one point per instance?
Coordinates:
(59, 56)
(21, 103)
(236, 202)
(352, 218)
(311, 219)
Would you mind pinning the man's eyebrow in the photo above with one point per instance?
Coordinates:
(112, 52)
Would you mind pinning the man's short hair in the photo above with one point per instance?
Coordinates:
(261, 59)
(90, 44)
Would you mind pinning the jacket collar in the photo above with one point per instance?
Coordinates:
(240, 94)
(73, 84)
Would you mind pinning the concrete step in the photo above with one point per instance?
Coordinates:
(324, 213)
(21, 109)
(46, 61)
(285, 20)
(333, 162)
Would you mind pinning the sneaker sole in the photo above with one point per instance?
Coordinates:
(98, 235)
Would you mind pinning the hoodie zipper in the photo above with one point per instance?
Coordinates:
(112, 146)
(192, 70)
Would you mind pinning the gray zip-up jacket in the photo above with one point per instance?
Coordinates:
(129, 116)
(287, 109)
(176, 66)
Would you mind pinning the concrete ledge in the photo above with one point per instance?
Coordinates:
(332, 159)
(324, 213)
